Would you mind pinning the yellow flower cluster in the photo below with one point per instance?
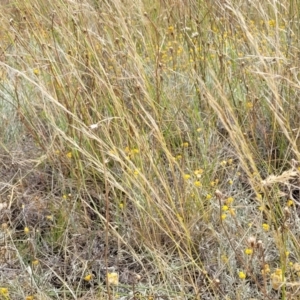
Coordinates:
(131, 152)
(113, 278)
(277, 279)
(198, 172)
(227, 208)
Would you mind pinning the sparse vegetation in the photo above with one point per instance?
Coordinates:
(149, 149)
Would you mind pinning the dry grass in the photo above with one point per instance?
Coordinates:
(150, 149)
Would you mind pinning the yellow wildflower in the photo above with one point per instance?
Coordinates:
(26, 230)
(225, 207)
(230, 161)
(4, 291)
(88, 277)
(242, 275)
(249, 251)
(265, 270)
(224, 258)
(249, 105)
(113, 278)
(290, 203)
(198, 172)
(223, 163)
(185, 144)
(229, 200)
(208, 196)
(272, 23)
(277, 279)
(136, 172)
(266, 227)
(171, 29)
(69, 155)
(258, 197)
(127, 150)
(131, 152)
(278, 272)
(197, 183)
(186, 176)
(135, 151)
(35, 262)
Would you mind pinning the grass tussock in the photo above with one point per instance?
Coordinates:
(149, 149)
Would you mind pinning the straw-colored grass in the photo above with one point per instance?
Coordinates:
(149, 149)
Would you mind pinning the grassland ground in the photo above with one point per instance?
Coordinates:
(149, 149)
